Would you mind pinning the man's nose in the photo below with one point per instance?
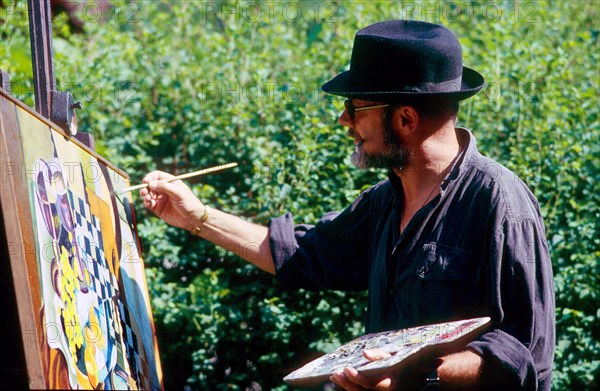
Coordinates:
(345, 119)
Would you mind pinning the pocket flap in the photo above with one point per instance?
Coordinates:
(442, 262)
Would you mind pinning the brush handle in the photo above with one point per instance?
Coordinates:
(183, 176)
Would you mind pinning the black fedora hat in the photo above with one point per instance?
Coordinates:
(400, 58)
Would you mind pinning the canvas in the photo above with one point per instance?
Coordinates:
(94, 321)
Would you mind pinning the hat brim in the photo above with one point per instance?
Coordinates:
(472, 82)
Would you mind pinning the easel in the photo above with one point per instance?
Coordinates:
(59, 107)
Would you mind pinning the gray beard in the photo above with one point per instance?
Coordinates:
(395, 155)
(392, 159)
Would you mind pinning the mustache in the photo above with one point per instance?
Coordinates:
(352, 133)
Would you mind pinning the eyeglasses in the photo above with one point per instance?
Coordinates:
(353, 109)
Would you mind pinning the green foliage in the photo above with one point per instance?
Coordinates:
(181, 85)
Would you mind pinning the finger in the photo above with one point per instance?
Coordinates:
(153, 176)
(356, 378)
(384, 384)
(156, 176)
(340, 379)
(150, 202)
(161, 186)
(375, 354)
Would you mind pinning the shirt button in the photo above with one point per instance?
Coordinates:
(391, 292)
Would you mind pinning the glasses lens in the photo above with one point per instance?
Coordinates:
(350, 108)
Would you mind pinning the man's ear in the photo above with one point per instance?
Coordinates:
(406, 119)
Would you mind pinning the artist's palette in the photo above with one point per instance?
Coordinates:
(401, 344)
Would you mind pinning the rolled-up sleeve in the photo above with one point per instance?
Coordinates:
(520, 346)
(333, 254)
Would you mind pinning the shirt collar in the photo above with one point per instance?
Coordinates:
(396, 182)
(468, 148)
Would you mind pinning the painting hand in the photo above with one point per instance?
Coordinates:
(173, 202)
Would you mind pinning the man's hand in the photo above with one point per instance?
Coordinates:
(173, 202)
(351, 380)
(460, 370)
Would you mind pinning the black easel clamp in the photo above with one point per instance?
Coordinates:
(4, 81)
(58, 106)
(63, 111)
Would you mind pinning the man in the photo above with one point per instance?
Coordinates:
(450, 235)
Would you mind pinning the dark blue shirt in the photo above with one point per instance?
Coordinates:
(477, 249)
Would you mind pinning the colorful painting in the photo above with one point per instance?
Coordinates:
(97, 330)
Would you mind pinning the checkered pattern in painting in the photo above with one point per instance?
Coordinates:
(104, 284)
(89, 241)
(138, 364)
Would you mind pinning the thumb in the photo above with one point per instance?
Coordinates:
(178, 194)
(163, 186)
(375, 354)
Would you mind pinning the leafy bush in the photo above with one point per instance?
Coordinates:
(186, 84)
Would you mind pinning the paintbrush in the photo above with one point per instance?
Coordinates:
(183, 176)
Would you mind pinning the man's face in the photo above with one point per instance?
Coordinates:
(376, 143)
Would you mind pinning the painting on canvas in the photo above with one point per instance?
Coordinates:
(94, 318)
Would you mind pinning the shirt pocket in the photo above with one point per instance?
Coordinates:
(443, 284)
(441, 262)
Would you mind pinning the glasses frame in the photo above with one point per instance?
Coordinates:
(352, 110)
